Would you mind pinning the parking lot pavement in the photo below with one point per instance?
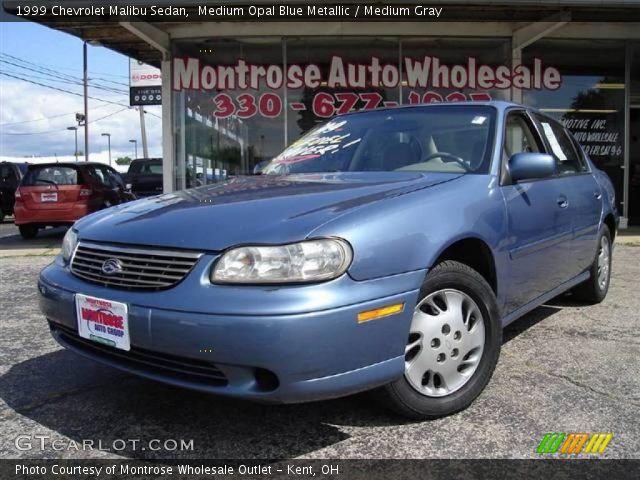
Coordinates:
(7, 228)
(564, 368)
(12, 244)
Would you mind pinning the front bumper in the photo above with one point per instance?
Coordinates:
(274, 355)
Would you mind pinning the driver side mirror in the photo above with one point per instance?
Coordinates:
(530, 166)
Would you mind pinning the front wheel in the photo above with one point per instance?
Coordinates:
(453, 345)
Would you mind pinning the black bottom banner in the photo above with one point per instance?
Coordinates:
(555, 469)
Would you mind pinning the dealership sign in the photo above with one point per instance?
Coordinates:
(422, 74)
(145, 84)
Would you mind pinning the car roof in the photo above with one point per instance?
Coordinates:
(500, 105)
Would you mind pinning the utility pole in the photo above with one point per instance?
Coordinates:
(143, 132)
(86, 103)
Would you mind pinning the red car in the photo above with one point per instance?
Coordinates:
(54, 194)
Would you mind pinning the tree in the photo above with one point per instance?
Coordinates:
(123, 161)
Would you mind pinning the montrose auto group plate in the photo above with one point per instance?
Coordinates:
(103, 321)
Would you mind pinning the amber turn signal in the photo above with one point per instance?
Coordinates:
(369, 315)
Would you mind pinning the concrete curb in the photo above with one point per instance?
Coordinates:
(633, 240)
(29, 252)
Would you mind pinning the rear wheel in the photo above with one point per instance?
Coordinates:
(28, 231)
(453, 344)
(596, 288)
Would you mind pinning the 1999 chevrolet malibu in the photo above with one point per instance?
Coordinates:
(383, 250)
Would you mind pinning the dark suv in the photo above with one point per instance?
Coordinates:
(10, 176)
(144, 177)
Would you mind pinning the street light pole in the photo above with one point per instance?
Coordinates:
(135, 143)
(108, 135)
(75, 130)
(86, 103)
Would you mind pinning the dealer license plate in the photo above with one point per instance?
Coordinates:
(49, 197)
(103, 321)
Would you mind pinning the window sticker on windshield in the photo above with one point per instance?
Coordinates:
(479, 120)
(553, 141)
(353, 142)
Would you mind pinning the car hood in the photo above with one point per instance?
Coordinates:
(242, 210)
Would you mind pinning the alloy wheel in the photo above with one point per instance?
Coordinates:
(604, 261)
(446, 343)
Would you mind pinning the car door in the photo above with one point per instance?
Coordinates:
(582, 190)
(538, 220)
(113, 194)
(102, 190)
(116, 181)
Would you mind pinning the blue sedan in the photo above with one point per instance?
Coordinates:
(383, 250)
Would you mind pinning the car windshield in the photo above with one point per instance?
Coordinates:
(425, 139)
(49, 175)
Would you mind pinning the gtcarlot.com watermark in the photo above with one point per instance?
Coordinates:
(46, 442)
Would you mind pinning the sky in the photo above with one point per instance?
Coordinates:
(34, 119)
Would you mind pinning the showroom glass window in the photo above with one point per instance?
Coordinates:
(225, 125)
(457, 68)
(355, 74)
(590, 101)
(225, 132)
(634, 137)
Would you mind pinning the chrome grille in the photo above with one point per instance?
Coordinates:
(140, 269)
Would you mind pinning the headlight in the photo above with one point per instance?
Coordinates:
(69, 244)
(308, 261)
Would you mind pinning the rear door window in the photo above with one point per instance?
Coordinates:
(50, 175)
(109, 176)
(568, 160)
(146, 168)
(115, 178)
(98, 175)
(153, 168)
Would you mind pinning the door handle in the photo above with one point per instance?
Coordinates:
(563, 202)
(598, 195)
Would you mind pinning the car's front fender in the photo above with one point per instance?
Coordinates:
(409, 232)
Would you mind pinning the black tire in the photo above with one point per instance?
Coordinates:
(28, 231)
(591, 291)
(404, 399)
